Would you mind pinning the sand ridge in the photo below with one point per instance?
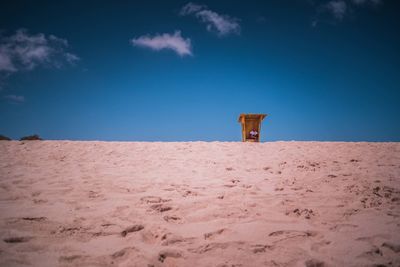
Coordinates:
(70, 203)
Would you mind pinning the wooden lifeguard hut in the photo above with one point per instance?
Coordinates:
(250, 122)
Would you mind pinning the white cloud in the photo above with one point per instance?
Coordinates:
(6, 62)
(191, 8)
(15, 98)
(222, 24)
(23, 52)
(60, 40)
(159, 42)
(338, 8)
(71, 58)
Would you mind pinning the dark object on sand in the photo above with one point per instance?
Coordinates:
(31, 137)
(5, 138)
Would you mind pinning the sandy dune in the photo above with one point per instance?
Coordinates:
(199, 204)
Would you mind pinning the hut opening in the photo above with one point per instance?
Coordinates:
(251, 126)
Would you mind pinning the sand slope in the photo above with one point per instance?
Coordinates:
(199, 204)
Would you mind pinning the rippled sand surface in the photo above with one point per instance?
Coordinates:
(65, 203)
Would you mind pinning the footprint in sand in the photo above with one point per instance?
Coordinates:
(284, 235)
(160, 207)
(29, 222)
(154, 235)
(318, 245)
(172, 239)
(350, 212)
(297, 188)
(371, 254)
(314, 263)
(169, 253)
(371, 239)
(187, 193)
(94, 194)
(233, 183)
(342, 227)
(306, 213)
(211, 235)
(72, 258)
(36, 194)
(172, 218)
(39, 201)
(291, 233)
(259, 248)
(131, 229)
(34, 219)
(393, 246)
(216, 246)
(78, 232)
(153, 199)
(314, 164)
(17, 239)
(169, 189)
(69, 230)
(123, 252)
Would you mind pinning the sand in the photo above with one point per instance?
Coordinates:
(66, 203)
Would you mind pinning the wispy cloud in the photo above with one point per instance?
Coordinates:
(221, 24)
(338, 8)
(174, 42)
(6, 63)
(15, 98)
(23, 51)
(362, 2)
(191, 8)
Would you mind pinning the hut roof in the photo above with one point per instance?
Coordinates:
(251, 116)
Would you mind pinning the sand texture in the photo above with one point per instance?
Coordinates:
(66, 203)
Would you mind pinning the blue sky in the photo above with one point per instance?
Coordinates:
(184, 71)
